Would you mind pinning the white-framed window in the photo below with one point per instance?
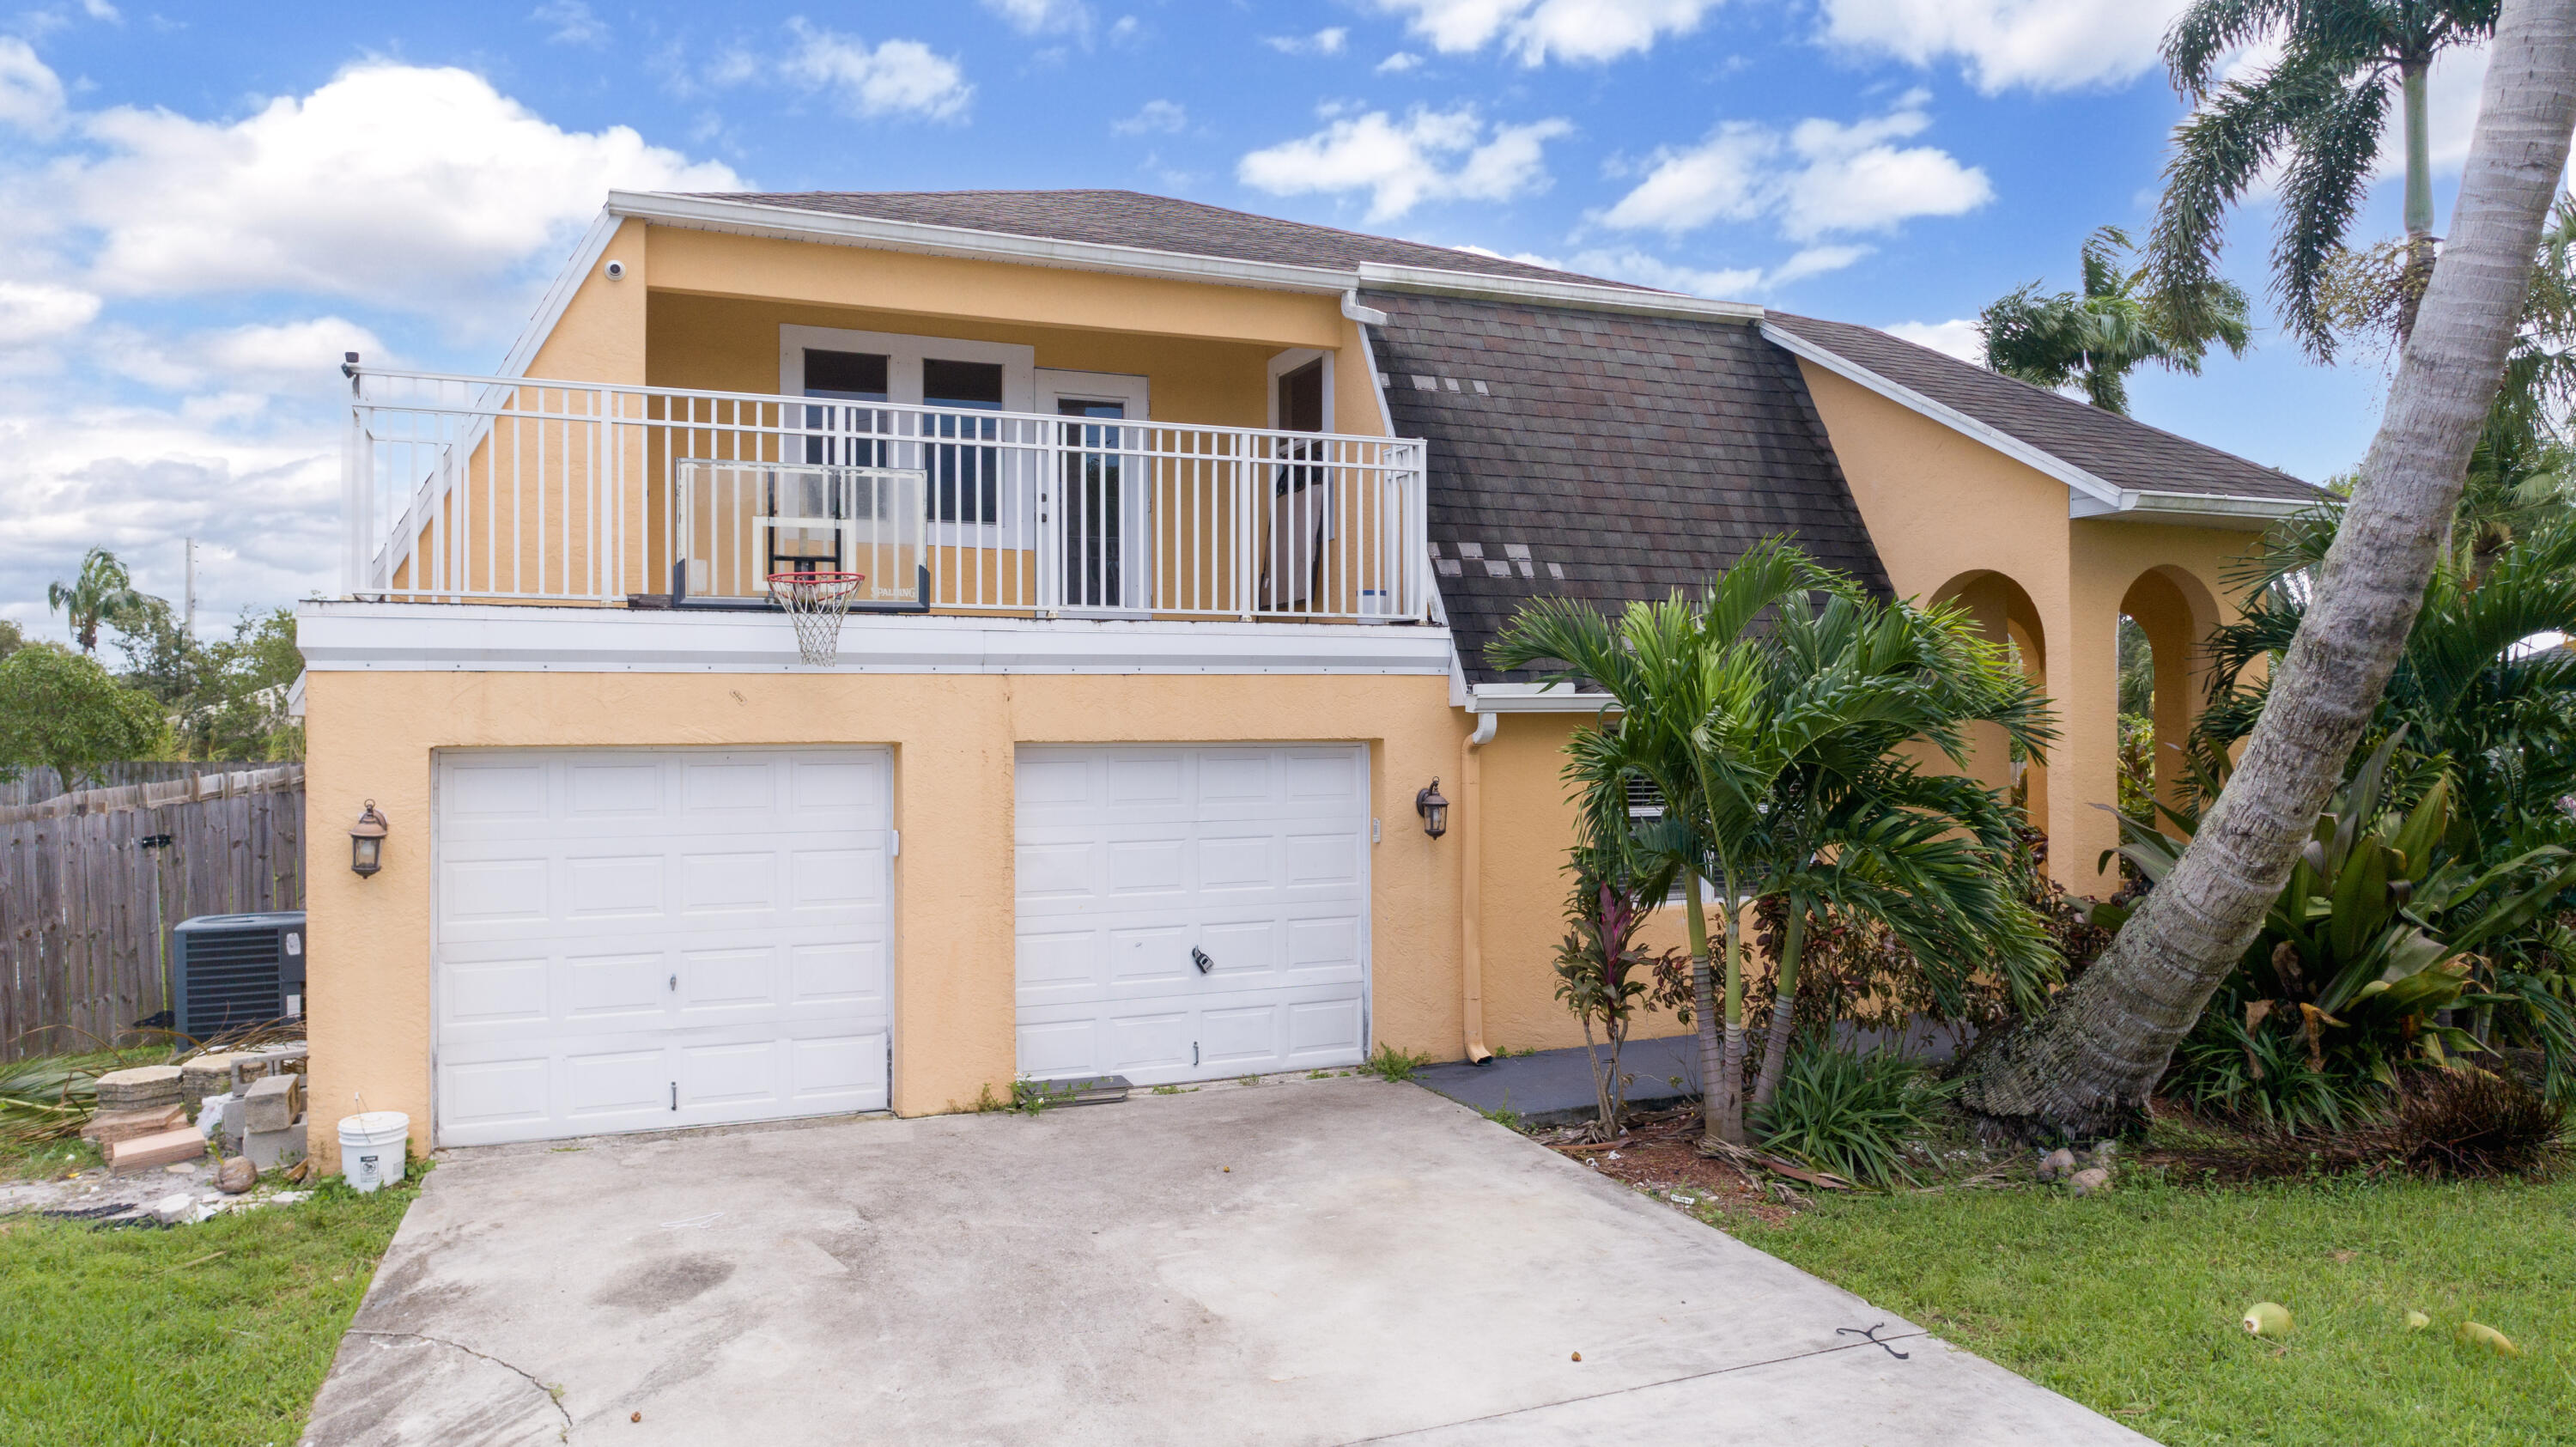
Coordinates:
(980, 492)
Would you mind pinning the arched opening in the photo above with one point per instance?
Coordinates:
(2165, 620)
(2004, 612)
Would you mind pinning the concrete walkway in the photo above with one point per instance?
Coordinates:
(1297, 1261)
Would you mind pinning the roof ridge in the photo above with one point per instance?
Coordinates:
(1369, 236)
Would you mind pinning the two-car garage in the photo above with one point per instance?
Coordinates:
(641, 939)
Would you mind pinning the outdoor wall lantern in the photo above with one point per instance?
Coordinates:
(367, 842)
(1433, 809)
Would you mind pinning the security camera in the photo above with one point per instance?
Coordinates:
(616, 269)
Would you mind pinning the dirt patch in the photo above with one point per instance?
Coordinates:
(1660, 1156)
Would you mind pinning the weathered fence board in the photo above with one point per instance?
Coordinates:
(88, 894)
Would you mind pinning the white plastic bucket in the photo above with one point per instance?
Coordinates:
(375, 1148)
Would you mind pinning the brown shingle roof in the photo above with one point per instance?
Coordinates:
(1159, 223)
(1603, 456)
(2121, 451)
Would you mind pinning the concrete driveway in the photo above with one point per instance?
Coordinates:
(1298, 1261)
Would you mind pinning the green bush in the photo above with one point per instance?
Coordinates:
(1857, 1116)
(2261, 1074)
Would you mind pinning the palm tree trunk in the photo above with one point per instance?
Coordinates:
(1712, 1056)
(2095, 1054)
(1784, 1003)
(2419, 196)
(1726, 1093)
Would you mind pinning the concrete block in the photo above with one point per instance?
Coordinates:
(236, 1120)
(272, 1103)
(140, 1088)
(208, 1074)
(110, 1126)
(271, 1149)
(144, 1152)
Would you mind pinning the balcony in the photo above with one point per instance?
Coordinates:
(462, 489)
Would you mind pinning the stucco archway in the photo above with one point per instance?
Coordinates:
(2003, 610)
(2176, 612)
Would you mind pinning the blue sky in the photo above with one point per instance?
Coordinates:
(200, 209)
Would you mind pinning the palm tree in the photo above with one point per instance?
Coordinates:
(2317, 114)
(2103, 1042)
(2467, 687)
(1677, 673)
(103, 590)
(1854, 826)
(2093, 339)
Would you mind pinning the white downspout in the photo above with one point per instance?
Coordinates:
(1471, 893)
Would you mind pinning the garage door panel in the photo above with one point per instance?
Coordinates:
(1324, 1028)
(1059, 1047)
(622, 790)
(851, 973)
(636, 924)
(497, 891)
(495, 992)
(601, 887)
(822, 879)
(1148, 866)
(1254, 854)
(617, 992)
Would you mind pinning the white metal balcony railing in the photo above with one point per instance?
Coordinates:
(475, 489)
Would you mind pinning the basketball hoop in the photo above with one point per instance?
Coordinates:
(815, 603)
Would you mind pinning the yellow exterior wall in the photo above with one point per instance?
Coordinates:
(1944, 510)
(715, 264)
(373, 736)
(730, 344)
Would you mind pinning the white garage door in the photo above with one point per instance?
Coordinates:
(635, 941)
(1188, 913)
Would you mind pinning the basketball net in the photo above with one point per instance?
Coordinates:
(815, 604)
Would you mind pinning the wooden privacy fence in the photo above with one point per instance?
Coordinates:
(92, 879)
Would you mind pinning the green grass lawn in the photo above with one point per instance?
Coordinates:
(2129, 1302)
(208, 1335)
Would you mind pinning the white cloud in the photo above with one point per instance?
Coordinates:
(1403, 163)
(461, 187)
(1044, 17)
(1957, 336)
(1323, 42)
(1535, 31)
(1815, 261)
(1645, 270)
(1399, 63)
(2041, 45)
(573, 23)
(1165, 117)
(280, 358)
(101, 10)
(31, 96)
(32, 312)
(1823, 177)
(898, 77)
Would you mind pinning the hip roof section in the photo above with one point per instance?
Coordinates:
(1603, 456)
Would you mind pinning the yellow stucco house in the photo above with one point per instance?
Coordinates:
(1182, 532)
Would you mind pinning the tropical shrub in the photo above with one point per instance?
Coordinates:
(1604, 976)
(2238, 1062)
(2366, 949)
(1862, 1117)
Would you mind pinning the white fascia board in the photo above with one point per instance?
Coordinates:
(2209, 509)
(788, 223)
(1534, 698)
(1438, 282)
(339, 637)
(2010, 446)
(550, 309)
